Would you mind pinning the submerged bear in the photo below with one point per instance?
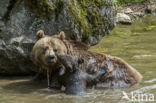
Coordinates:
(72, 76)
(119, 74)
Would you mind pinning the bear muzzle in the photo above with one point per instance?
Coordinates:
(51, 59)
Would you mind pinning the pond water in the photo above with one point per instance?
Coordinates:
(138, 48)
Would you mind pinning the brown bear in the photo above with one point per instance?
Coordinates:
(118, 75)
(73, 78)
(43, 55)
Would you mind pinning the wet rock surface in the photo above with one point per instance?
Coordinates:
(123, 18)
(14, 57)
(87, 21)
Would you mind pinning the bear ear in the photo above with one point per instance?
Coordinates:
(62, 35)
(40, 34)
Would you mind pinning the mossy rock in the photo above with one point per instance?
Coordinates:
(41, 8)
(92, 18)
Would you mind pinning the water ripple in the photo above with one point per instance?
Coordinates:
(144, 56)
(150, 81)
(147, 88)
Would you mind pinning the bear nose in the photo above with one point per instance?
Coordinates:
(51, 57)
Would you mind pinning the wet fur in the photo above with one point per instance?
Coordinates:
(73, 78)
(119, 74)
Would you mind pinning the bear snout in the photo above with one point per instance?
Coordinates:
(51, 59)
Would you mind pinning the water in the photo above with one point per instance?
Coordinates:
(138, 49)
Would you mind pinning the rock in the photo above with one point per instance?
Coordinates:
(154, 13)
(128, 11)
(3, 7)
(150, 9)
(123, 18)
(87, 21)
(1, 24)
(139, 14)
(2, 43)
(15, 58)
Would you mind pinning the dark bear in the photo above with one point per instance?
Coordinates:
(118, 75)
(73, 78)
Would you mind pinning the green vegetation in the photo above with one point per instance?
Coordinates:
(41, 8)
(89, 19)
(86, 14)
(79, 14)
(59, 7)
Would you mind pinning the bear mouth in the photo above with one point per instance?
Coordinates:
(50, 60)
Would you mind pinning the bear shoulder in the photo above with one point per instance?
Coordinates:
(78, 45)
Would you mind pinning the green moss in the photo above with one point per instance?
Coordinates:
(79, 15)
(59, 7)
(41, 8)
(86, 15)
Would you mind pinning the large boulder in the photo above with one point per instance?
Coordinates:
(123, 18)
(83, 20)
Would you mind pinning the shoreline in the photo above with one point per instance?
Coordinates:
(130, 12)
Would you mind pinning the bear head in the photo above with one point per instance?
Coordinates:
(46, 47)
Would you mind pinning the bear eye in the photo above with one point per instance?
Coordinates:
(55, 50)
(44, 50)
